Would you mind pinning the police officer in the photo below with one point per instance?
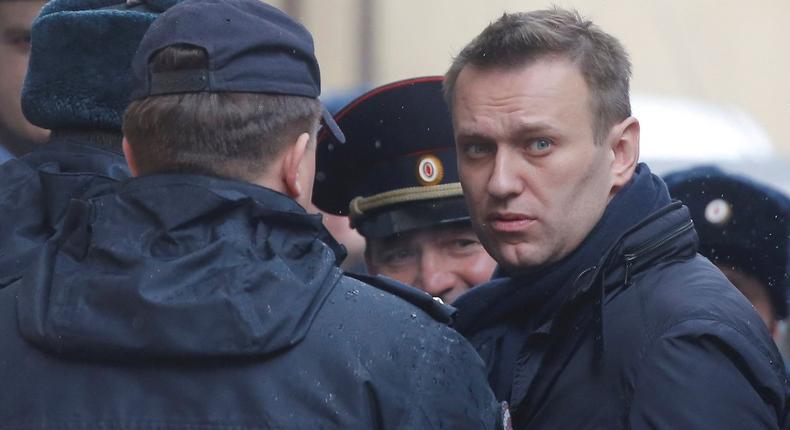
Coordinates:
(396, 178)
(743, 229)
(200, 293)
(78, 85)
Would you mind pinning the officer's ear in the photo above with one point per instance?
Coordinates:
(624, 141)
(293, 158)
(130, 160)
(369, 263)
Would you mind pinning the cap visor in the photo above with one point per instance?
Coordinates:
(333, 127)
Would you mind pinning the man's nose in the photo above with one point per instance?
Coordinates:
(504, 181)
(436, 275)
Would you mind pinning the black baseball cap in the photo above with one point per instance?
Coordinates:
(252, 48)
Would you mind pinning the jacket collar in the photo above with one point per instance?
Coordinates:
(667, 233)
(74, 155)
(265, 199)
(540, 295)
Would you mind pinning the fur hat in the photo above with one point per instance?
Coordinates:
(80, 74)
(741, 223)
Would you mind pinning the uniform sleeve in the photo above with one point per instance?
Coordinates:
(452, 389)
(704, 374)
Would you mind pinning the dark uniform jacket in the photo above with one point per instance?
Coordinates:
(34, 192)
(187, 302)
(634, 330)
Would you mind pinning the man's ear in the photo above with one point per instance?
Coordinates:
(130, 160)
(624, 138)
(291, 165)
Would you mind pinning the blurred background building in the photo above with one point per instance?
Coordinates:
(709, 79)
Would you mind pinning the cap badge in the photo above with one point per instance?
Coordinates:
(718, 212)
(429, 170)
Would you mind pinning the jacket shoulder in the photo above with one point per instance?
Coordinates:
(702, 338)
(691, 289)
(693, 298)
(425, 302)
(423, 355)
(386, 321)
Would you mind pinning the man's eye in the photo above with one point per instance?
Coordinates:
(475, 150)
(398, 257)
(463, 247)
(465, 243)
(20, 41)
(541, 145)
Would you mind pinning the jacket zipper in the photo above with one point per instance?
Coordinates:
(630, 258)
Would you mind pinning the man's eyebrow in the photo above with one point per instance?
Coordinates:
(392, 241)
(534, 127)
(472, 135)
(521, 129)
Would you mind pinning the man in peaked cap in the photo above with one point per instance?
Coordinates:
(17, 135)
(396, 178)
(78, 85)
(200, 293)
(743, 229)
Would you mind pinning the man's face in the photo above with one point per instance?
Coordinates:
(534, 179)
(443, 261)
(756, 292)
(15, 20)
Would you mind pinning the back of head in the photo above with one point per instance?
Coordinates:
(222, 87)
(79, 77)
(518, 39)
(230, 135)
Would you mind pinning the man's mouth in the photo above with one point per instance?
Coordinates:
(506, 222)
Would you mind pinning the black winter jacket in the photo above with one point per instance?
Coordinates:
(649, 336)
(187, 302)
(35, 190)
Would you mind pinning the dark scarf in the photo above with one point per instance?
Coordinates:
(514, 306)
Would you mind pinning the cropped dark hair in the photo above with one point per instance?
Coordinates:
(232, 135)
(518, 39)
